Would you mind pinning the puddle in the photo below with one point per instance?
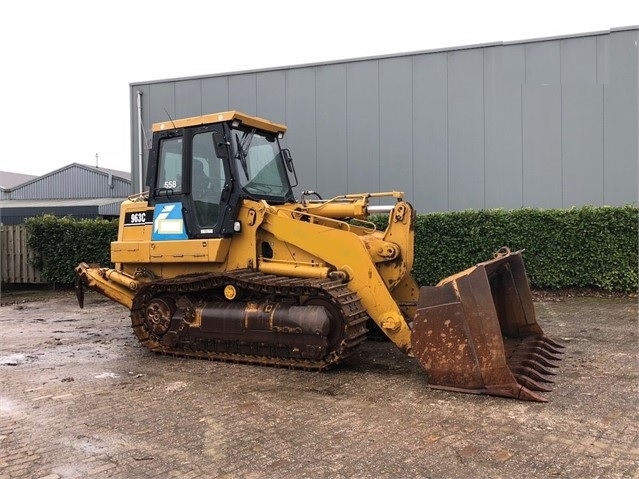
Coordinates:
(15, 359)
(107, 375)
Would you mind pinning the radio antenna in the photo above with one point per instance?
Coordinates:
(167, 114)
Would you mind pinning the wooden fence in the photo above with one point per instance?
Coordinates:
(14, 256)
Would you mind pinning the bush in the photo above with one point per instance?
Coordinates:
(59, 244)
(587, 247)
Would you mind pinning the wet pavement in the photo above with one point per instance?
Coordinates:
(80, 398)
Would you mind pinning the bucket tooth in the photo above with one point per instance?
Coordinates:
(513, 390)
(477, 332)
(535, 343)
(529, 373)
(541, 344)
(531, 384)
(532, 364)
(534, 350)
(525, 394)
(552, 342)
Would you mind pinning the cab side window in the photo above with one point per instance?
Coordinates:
(170, 165)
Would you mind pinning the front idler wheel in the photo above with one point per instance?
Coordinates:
(158, 315)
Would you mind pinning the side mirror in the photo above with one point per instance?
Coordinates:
(221, 145)
(286, 154)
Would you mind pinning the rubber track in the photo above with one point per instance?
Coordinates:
(264, 286)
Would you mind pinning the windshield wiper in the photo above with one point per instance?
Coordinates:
(241, 156)
(247, 138)
(264, 188)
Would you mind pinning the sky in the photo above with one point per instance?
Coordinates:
(67, 65)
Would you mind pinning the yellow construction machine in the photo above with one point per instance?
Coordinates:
(219, 260)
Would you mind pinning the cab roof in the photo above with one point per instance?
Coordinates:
(225, 116)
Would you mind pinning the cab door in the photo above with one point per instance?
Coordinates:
(168, 192)
(190, 187)
(208, 180)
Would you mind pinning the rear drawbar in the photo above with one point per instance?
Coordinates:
(477, 332)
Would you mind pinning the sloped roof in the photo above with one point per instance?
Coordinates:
(73, 181)
(9, 179)
(125, 175)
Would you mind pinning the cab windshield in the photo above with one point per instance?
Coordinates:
(259, 164)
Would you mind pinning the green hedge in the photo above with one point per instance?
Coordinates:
(588, 247)
(59, 244)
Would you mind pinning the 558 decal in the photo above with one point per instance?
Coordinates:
(138, 218)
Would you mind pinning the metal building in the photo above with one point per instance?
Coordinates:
(77, 190)
(548, 123)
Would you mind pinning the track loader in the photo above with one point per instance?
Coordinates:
(219, 260)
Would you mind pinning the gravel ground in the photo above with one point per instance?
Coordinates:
(80, 398)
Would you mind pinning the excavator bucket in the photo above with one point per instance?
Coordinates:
(476, 332)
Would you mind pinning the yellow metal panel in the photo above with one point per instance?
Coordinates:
(130, 252)
(139, 230)
(179, 251)
(136, 233)
(242, 253)
(218, 249)
(189, 251)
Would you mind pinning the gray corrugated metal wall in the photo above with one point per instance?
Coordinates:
(546, 123)
(72, 183)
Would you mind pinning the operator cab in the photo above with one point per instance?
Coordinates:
(201, 168)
